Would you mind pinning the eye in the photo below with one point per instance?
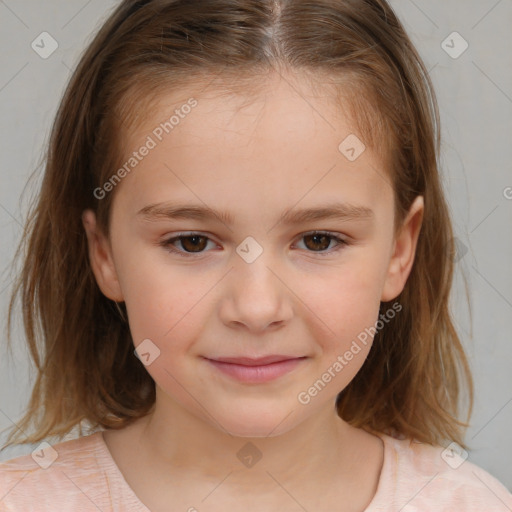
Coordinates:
(319, 242)
(191, 243)
(188, 244)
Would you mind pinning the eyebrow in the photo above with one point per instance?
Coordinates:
(335, 211)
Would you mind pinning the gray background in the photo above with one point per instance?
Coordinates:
(475, 97)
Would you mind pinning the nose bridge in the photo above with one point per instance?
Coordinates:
(256, 297)
(252, 269)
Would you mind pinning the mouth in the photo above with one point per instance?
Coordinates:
(256, 370)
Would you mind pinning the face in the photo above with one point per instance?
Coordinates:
(240, 312)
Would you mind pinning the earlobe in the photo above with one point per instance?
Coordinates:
(100, 256)
(404, 249)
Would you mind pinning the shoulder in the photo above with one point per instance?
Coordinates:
(64, 475)
(425, 477)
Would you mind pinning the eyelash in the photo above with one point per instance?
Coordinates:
(167, 243)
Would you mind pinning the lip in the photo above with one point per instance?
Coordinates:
(256, 370)
(254, 361)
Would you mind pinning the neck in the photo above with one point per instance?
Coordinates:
(324, 444)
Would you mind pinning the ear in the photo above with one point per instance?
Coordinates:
(100, 256)
(404, 249)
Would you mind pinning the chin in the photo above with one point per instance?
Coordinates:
(258, 423)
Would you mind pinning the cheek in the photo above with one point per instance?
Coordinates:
(169, 309)
(166, 306)
(162, 299)
(345, 308)
(345, 300)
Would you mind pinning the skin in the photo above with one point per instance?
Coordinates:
(254, 159)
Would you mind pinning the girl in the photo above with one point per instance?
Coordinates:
(235, 277)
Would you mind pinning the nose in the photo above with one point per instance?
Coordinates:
(256, 297)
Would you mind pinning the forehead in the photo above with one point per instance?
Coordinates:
(273, 93)
(280, 140)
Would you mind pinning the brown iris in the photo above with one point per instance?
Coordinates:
(324, 241)
(194, 243)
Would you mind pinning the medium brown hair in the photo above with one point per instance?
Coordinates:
(82, 349)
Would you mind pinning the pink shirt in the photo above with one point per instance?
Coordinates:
(84, 477)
